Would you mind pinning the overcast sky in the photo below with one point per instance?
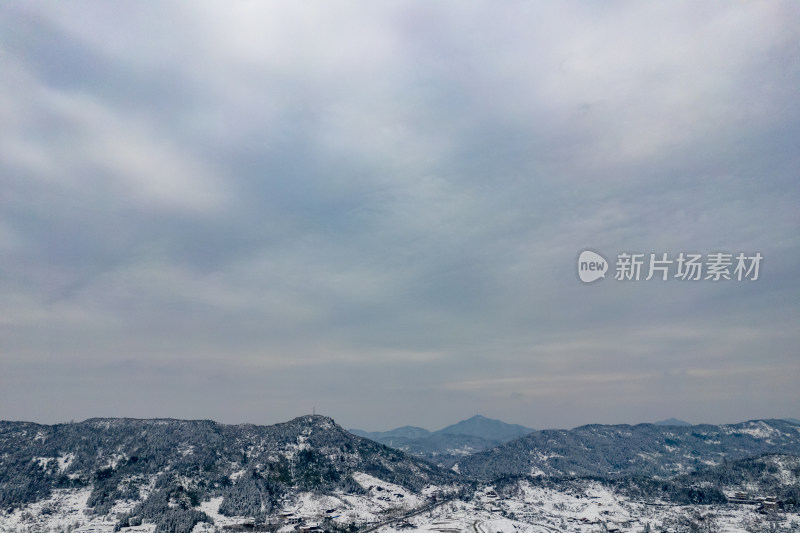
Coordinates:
(243, 211)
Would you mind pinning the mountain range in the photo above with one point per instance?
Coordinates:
(643, 449)
(177, 474)
(449, 443)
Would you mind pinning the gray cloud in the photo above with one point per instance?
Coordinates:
(232, 212)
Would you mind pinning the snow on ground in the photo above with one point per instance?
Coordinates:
(146, 488)
(463, 517)
(108, 527)
(211, 508)
(390, 494)
(583, 508)
(315, 505)
(536, 472)
(64, 461)
(64, 508)
(42, 461)
(114, 459)
(759, 430)
(600, 511)
(466, 450)
(786, 467)
(595, 504)
(432, 490)
(524, 507)
(544, 457)
(186, 450)
(236, 473)
(122, 506)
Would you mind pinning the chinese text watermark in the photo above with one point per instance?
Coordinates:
(684, 266)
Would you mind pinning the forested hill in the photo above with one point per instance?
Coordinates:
(644, 449)
(162, 470)
(171, 465)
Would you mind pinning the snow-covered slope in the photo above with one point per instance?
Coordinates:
(644, 449)
(162, 470)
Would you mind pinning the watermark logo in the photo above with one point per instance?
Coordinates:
(591, 266)
(685, 266)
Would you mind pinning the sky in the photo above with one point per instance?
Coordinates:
(249, 211)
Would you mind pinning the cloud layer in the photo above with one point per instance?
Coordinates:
(242, 211)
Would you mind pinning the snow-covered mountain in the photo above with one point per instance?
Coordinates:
(643, 449)
(162, 470)
(181, 476)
